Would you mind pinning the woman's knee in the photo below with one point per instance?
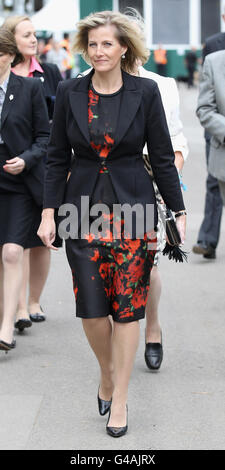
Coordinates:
(93, 323)
(12, 254)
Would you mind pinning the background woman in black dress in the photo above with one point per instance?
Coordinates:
(49, 75)
(24, 136)
(106, 117)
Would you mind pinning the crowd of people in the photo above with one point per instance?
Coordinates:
(58, 53)
(114, 135)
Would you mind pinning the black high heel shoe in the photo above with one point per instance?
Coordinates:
(37, 317)
(117, 431)
(154, 355)
(7, 346)
(103, 405)
(23, 323)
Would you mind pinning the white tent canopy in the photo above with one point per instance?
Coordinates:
(57, 15)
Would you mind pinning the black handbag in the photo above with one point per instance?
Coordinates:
(172, 249)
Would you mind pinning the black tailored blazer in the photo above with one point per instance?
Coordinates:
(50, 80)
(141, 119)
(25, 129)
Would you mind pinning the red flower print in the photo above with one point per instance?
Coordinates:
(140, 263)
(119, 258)
(104, 270)
(133, 245)
(139, 299)
(108, 291)
(135, 269)
(126, 313)
(90, 115)
(103, 170)
(108, 139)
(76, 292)
(75, 288)
(104, 151)
(128, 291)
(117, 283)
(115, 306)
(96, 255)
(93, 98)
(95, 147)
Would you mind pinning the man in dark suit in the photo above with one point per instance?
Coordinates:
(209, 232)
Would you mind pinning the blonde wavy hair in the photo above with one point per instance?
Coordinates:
(10, 24)
(128, 35)
(12, 21)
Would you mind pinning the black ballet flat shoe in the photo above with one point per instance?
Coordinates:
(154, 355)
(37, 317)
(7, 346)
(23, 323)
(114, 431)
(103, 405)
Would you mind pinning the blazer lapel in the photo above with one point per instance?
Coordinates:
(128, 108)
(130, 102)
(10, 97)
(79, 104)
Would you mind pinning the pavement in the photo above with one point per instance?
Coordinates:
(48, 384)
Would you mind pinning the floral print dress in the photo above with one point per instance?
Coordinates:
(110, 274)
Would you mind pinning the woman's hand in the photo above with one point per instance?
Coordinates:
(47, 229)
(14, 166)
(181, 226)
(179, 161)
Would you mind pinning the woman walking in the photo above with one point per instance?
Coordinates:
(106, 117)
(37, 259)
(23, 143)
(170, 99)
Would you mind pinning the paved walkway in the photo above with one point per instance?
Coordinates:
(47, 382)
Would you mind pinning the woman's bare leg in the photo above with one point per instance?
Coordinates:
(115, 349)
(39, 269)
(12, 259)
(22, 311)
(153, 330)
(99, 335)
(124, 346)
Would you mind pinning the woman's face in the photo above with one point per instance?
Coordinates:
(5, 63)
(26, 38)
(104, 49)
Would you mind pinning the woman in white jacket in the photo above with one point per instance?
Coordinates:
(170, 98)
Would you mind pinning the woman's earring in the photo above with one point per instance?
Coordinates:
(123, 56)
